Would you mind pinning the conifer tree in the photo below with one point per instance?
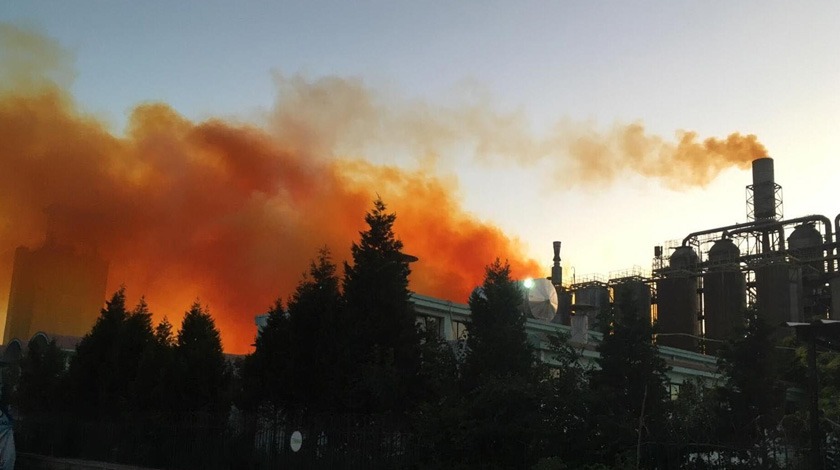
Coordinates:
(265, 372)
(202, 373)
(383, 342)
(497, 342)
(502, 381)
(157, 371)
(318, 363)
(41, 373)
(104, 371)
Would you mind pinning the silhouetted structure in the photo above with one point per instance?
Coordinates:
(55, 289)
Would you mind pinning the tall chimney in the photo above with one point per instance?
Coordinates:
(556, 270)
(764, 189)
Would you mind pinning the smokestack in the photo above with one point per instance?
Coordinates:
(556, 270)
(763, 190)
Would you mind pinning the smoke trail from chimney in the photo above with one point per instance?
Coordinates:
(341, 116)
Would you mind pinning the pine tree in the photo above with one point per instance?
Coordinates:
(383, 342)
(104, 371)
(499, 409)
(266, 372)
(318, 364)
(41, 373)
(497, 342)
(157, 371)
(202, 370)
(163, 333)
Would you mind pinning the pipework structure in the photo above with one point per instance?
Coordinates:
(786, 268)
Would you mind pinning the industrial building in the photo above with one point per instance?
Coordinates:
(698, 289)
(785, 268)
(56, 289)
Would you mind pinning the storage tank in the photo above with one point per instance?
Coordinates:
(724, 293)
(678, 301)
(779, 293)
(804, 244)
(631, 295)
(595, 295)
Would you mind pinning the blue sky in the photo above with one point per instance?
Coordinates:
(714, 67)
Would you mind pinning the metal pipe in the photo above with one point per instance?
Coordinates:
(828, 235)
(781, 223)
(766, 239)
(720, 229)
(837, 227)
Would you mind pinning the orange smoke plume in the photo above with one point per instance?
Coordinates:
(231, 214)
(603, 157)
(218, 211)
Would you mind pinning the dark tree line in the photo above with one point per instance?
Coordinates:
(125, 366)
(347, 344)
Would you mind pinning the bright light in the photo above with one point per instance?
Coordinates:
(528, 283)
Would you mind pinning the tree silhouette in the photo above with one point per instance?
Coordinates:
(502, 381)
(202, 375)
(497, 342)
(383, 342)
(41, 373)
(318, 363)
(265, 372)
(104, 371)
(156, 372)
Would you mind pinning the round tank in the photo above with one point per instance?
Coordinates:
(803, 237)
(677, 303)
(779, 293)
(804, 243)
(632, 296)
(596, 296)
(677, 307)
(683, 257)
(724, 250)
(724, 294)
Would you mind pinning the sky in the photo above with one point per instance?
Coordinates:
(526, 114)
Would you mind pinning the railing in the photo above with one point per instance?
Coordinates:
(245, 441)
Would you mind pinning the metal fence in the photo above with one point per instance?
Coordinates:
(335, 441)
(246, 441)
